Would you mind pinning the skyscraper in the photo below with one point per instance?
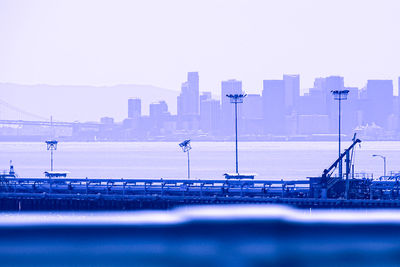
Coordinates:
(188, 100)
(378, 95)
(159, 115)
(210, 114)
(252, 114)
(134, 108)
(292, 91)
(193, 84)
(274, 106)
(227, 109)
(158, 109)
(188, 103)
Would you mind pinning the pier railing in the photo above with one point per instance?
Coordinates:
(119, 193)
(159, 187)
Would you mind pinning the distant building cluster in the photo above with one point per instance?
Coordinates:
(278, 113)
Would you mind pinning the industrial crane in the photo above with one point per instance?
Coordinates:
(327, 173)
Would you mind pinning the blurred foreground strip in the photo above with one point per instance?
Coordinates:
(237, 235)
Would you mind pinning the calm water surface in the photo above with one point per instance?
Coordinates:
(209, 160)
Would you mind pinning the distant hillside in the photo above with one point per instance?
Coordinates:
(82, 103)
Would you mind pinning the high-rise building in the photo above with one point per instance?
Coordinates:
(158, 109)
(252, 107)
(252, 114)
(182, 100)
(350, 111)
(188, 103)
(378, 102)
(188, 100)
(274, 106)
(227, 109)
(312, 103)
(193, 83)
(292, 92)
(159, 117)
(210, 114)
(134, 108)
(319, 105)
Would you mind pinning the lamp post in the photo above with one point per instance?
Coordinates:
(384, 163)
(340, 95)
(236, 99)
(51, 145)
(185, 145)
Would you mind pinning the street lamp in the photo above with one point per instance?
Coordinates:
(185, 145)
(236, 99)
(51, 145)
(384, 163)
(340, 95)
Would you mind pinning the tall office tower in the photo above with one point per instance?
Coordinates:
(274, 106)
(378, 102)
(193, 83)
(188, 103)
(134, 108)
(158, 116)
(188, 100)
(228, 109)
(397, 103)
(351, 115)
(210, 114)
(292, 92)
(158, 109)
(182, 100)
(252, 113)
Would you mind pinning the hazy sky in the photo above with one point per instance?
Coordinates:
(157, 41)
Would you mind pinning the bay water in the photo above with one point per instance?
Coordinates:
(208, 160)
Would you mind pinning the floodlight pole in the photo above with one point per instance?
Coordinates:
(188, 154)
(236, 98)
(340, 141)
(185, 145)
(51, 145)
(340, 95)
(51, 160)
(236, 139)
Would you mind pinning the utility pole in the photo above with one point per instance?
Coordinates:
(384, 163)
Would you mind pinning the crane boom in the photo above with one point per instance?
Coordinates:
(327, 171)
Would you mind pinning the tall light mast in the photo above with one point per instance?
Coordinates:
(340, 95)
(236, 99)
(51, 145)
(186, 147)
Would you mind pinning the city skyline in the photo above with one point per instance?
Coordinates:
(172, 103)
(278, 112)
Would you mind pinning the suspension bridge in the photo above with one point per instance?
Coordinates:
(19, 124)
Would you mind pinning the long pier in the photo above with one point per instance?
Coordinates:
(120, 194)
